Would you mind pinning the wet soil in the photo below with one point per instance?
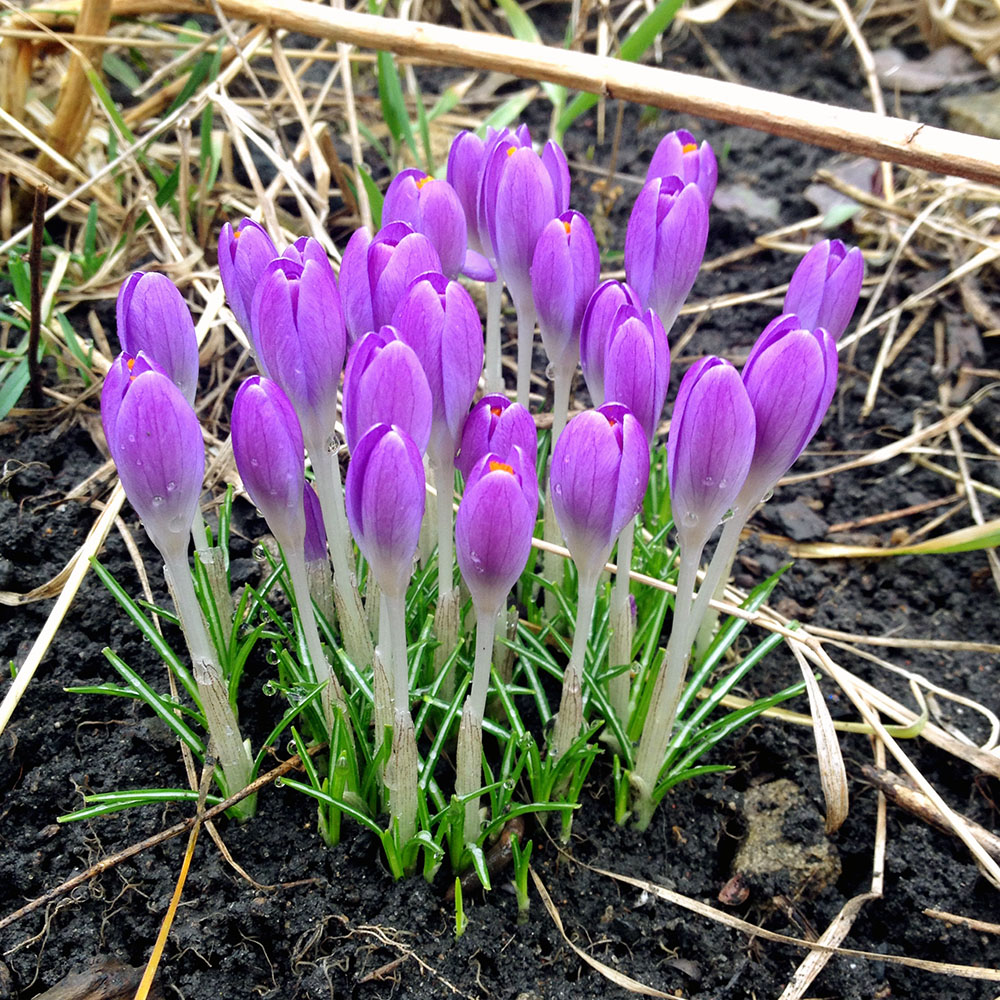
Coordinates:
(331, 923)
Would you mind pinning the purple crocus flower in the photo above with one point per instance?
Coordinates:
(432, 207)
(600, 468)
(270, 457)
(385, 383)
(124, 370)
(153, 317)
(664, 244)
(439, 320)
(709, 448)
(155, 440)
(595, 329)
(825, 287)
(790, 378)
(494, 525)
(315, 540)
(498, 147)
(374, 273)
(529, 194)
(385, 504)
(465, 168)
(565, 269)
(301, 342)
(244, 252)
(495, 424)
(637, 366)
(679, 155)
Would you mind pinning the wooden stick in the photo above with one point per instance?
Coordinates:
(912, 144)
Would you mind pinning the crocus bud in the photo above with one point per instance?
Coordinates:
(270, 457)
(825, 287)
(301, 342)
(156, 443)
(709, 448)
(679, 155)
(664, 245)
(600, 468)
(124, 370)
(496, 424)
(385, 383)
(494, 525)
(637, 366)
(315, 540)
(595, 328)
(244, 252)
(385, 504)
(565, 269)
(790, 378)
(527, 199)
(432, 207)
(153, 317)
(439, 320)
(374, 273)
(465, 168)
(497, 148)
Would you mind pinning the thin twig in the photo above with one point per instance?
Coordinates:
(35, 272)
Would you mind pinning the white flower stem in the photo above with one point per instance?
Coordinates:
(561, 392)
(395, 642)
(570, 719)
(525, 346)
(444, 480)
(468, 769)
(357, 638)
(494, 368)
(620, 646)
(703, 617)
(658, 728)
(333, 695)
(213, 693)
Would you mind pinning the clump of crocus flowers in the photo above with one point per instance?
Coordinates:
(421, 398)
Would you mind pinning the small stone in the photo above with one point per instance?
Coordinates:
(975, 113)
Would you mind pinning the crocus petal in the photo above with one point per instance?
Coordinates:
(154, 318)
(465, 166)
(595, 329)
(825, 287)
(384, 493)
(637, 366)
(244, 252)
(493, 528)
(710, 446)
(355, 290)
(678, 155)
(270, 457)
(385, 383)
(315, 540)
(496, 424)
(123, 371)
(161, 459)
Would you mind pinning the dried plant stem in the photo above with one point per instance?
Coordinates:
(35, 273)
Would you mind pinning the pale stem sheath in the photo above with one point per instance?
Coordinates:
(444, 479)
(620, 646)
(223, 729)
(525, 346)
(666, 694)
(494, 368)
(570, 718)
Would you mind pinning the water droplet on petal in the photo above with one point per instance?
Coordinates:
(708, 481)
(691, 518)
(550, 371)
(171, 486)
(157, 500)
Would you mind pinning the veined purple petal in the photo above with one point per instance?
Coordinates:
(385, 383)
(355, 288)
(410, 257)
(564, 273)
(270, 457)
(494, 525)
(123, 371)
(637, 366)
(154, 318)
(496, 424)
(315, 540)
(465, 167)
(710, 446)
(244, 252)
(384, 492)
(825, 287)
(679, 155)
(595, 329)
(160, 457)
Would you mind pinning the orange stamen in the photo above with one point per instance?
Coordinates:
(500, 467)
(566, 226)
(496, 411)
(689, 147)
(423, 181)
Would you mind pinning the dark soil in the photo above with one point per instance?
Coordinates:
(332, 923)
